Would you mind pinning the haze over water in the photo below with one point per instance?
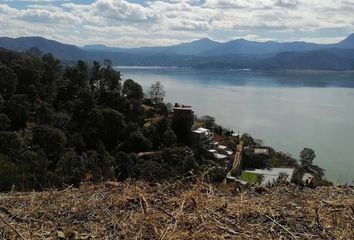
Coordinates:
(288, 110)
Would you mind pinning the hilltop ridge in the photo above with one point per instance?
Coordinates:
(204, 53)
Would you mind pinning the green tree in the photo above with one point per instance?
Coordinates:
(111, 80)
(8, 173)
(52, 140)
(136, 142)
(49, 77)
(11, 143)
(105, 124)
(18, 110)
(96, 75)
(133, 90)
(78, 75)
(44, 114)
(70, 168)
(5, 122)
(8, 81)
(307, 156)
(124, 166)
(169, 137)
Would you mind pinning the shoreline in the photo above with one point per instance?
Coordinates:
(305, 71)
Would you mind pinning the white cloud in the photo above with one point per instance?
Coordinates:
(161, 22)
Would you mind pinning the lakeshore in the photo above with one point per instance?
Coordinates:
(289, 112)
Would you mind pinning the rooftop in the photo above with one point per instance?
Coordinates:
(178, 106)
(201, 130)
(220, 156)
(272, 174)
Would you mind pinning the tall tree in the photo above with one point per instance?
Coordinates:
(157, 92)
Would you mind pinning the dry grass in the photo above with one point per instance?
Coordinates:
(178, 211)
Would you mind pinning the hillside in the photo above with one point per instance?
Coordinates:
(137, 210)
(205, 53)
(59, 50)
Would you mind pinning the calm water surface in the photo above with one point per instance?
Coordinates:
(289, 111)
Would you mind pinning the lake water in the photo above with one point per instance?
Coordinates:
(287, 110)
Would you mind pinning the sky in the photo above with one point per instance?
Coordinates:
(135, 23)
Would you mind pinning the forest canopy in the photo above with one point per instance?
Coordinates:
(64, 124)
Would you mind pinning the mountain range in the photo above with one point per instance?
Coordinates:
(204, 53)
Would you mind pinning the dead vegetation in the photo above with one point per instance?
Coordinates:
(178, 211)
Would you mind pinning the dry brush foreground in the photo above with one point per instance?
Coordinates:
(178, 211)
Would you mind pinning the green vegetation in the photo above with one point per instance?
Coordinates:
(250, 177)
(62, 125)
(65, 124)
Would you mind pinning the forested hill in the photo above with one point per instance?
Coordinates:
(239, 53)
(64, 125)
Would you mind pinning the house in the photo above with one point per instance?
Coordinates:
(222, 147)
(271, 175)
(202, 136)
(263, 151)
(221, 156)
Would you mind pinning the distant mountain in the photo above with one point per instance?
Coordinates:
(190, 48)
(245, 47)
(238, 53)
(347, 43)
(101, 48)
(59, 50)
(322, 59)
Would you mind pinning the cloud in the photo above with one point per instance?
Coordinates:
(161, 22)
(287, 3)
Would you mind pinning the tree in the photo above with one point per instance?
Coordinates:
(70, 168)
(169, 137)
(96, 75)
(11, 143)
(124, 166)
(18, 110)
(136, 142)
(111, 80)
(307, 156)
(52, 140)
(78, 75)
(50, 76)
(105, 124)
(8, 81)
(5, 122)
(2, 103)
(132, 90)
(44, 114)
(208, 121)
(157, 92)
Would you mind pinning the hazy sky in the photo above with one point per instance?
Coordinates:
(130, 23)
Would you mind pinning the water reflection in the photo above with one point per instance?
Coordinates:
(252, 78)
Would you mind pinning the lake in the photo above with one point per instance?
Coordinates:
(287, 110)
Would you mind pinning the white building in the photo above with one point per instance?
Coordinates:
(261, 151)
(271, 175)
(202, 135)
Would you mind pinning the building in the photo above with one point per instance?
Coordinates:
(182, 122)
(221, 156)
(271, 175)
(202, 136)
(263, 151)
